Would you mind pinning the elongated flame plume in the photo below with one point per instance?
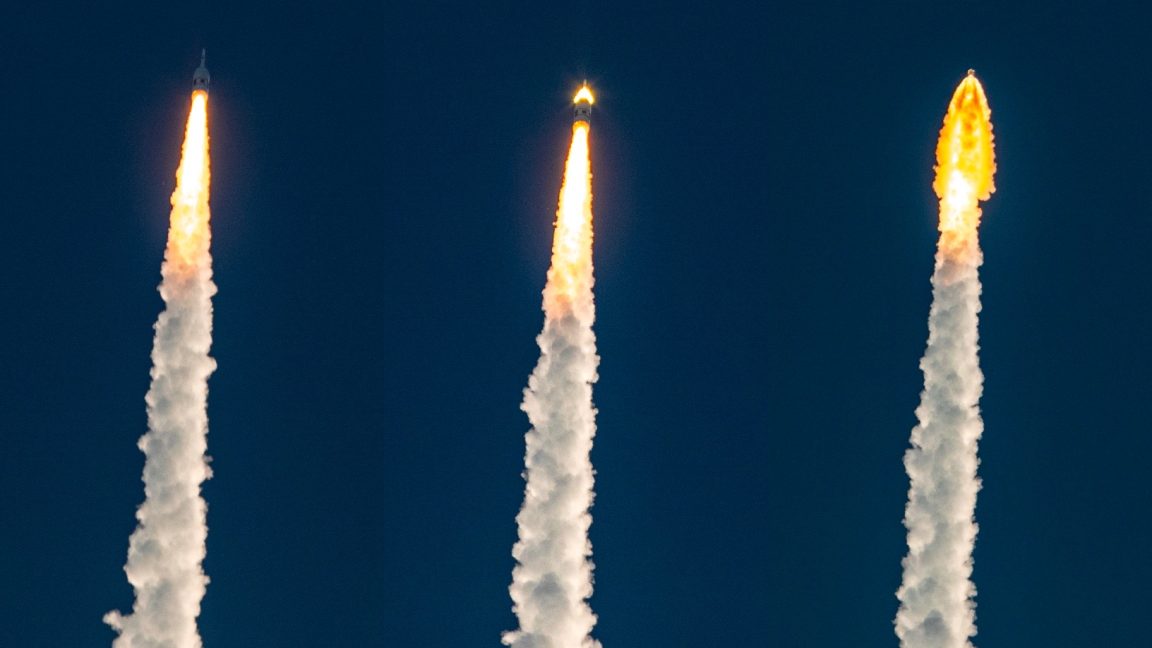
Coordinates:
(168, 546)
(189, 234)
(553, 576)
(937, 607)
(570, 276)
(965, 164)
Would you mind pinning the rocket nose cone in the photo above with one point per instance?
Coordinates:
(200, 76)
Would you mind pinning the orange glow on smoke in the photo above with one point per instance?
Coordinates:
(965, 164)
(188, 233)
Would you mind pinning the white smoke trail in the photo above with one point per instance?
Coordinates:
(168, 546)
(937, 606)
(553, 578)
(937, 609)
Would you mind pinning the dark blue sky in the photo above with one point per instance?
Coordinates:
(384, 179)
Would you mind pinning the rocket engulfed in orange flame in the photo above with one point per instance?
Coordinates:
(188, 234)
(552, 580)
(166, 551)
(571, 272)
(965, 164)
(937, 596)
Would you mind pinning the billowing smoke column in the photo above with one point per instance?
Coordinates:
(553, 578)
(937, 606)
(168, 546)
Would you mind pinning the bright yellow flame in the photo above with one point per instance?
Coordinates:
(570, 278)
(585, 94)
(965, 164)
(188, 233)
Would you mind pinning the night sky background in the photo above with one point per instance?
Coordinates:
(384, 181)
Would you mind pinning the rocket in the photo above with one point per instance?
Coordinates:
(201, 77)
(582, 102)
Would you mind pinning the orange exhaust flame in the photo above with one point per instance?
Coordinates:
(965, 164)
(570, 277)
(188, 233)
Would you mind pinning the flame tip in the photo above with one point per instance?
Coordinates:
(584, 94)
